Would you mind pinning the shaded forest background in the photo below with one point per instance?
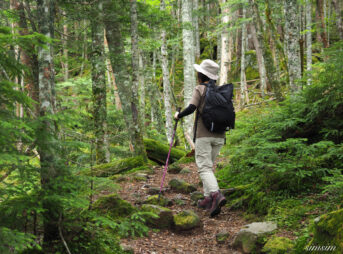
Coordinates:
(87, 83)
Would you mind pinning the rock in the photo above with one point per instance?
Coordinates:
(186, 159)
(278, 245)
(328, 232)
(186, 220)
(140, 177)
(185, 171)
(154, 190)
(181, 186)
(174, 168)
(195, 196)
(127, 248)
(119, 178)
(222, 237)
(165, 216)
(248, 238)
(114, 206)
(153, 200)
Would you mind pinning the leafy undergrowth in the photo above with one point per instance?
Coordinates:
(287, 159)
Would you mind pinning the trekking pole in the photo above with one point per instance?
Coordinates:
(166, 165)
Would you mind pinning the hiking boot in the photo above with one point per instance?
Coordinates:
(218, 200)
(206, 203)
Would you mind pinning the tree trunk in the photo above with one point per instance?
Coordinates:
(337, 6)
(321, 32)
(225, 59)
(188, 57)
(65, 47)
(138, 144)
(46, 136)
(166, 82)
(141, 90)
(292, 37)
(196, 27)
(244, 90)
(308, 39)
(266, 52)
(260, 60)
(98, 61)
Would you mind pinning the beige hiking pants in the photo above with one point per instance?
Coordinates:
(206, 151)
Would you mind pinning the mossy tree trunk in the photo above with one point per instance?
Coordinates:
(47, 132)
(98, 61)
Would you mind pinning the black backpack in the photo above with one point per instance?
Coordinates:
(218, 114)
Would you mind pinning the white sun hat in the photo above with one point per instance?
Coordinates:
(208, 68)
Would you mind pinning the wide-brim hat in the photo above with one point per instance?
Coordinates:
(208, 68)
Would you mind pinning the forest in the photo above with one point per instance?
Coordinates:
(88, 93)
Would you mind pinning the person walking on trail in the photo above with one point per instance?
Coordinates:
(207, 144)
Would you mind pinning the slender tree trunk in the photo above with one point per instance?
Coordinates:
(196, 27)
(188, 57)
(260, 60)
(98, 61)
(292, 35)
(308, 39)
(141, 90)
(225, 45)
(321, 31)
(138, 144)
(266, 52)
(47, 133)
(244, 90)
(65, 47)
(166, 82)
(337, 5)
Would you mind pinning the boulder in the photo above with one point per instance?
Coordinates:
(185, 171)
(186, 220)
(154, 190)
(153, 200)
(180, 185)
(127, 248)
(114, 206)
(175, 168)
(195, 196)
(328, 232)
(251, 235)
(222, 237)
(278, 245)
(164, 219)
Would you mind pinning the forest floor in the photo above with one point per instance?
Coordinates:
(196, 241)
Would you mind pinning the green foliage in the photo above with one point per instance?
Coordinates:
(291, 149)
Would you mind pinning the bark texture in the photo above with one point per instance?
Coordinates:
(308, 38)
(138, 144)
(166, 82)
(46, 137)
(244, 90)
(188, 58)
(292, 36)
(98, 61)
(225, 59)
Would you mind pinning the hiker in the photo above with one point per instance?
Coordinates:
(207, 144)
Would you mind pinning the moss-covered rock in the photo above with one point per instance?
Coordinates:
(114, 206)
(165, 216)
(186, 220)
(153, 200)
(180, 185)
(250, 237)
(328, 231)
(158, 152)
(185, 171)
(222, 237)
(278, 245)
(186, 159)
(195, 196)
(174, 168)
(119, 166)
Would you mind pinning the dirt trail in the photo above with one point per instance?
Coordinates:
(200, 240)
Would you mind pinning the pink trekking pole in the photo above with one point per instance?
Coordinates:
(166, 165)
